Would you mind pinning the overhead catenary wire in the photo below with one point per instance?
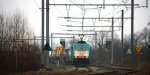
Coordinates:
(124, 4)
(115, 8)
(76, 4)
(37, 5)
(59, 13)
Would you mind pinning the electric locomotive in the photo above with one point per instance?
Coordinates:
(80, 53)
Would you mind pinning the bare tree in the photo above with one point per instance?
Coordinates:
(17, 54)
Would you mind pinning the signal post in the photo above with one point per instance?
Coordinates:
(138, 50)
(59, 52)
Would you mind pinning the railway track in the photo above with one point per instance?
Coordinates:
(99, 70)
(88, 70)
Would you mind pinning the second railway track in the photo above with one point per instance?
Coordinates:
(99, 70)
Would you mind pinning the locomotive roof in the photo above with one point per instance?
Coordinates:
(81, 42)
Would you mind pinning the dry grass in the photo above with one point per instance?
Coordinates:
(56, 72)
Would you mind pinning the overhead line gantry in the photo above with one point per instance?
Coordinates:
(88, 26)
(94, 17)
(92, 4)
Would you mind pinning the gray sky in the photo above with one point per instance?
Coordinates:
(28, 8)
(31, 9)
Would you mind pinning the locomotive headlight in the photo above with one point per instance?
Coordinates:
(86, 52)
(76, 53)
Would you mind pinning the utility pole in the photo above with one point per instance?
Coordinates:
(122, 47)
(47, 33)
(132, 26)
(51, 47)
(42, 56)
(146, 3)
(112, 43)
(95, 39)
(103, 4)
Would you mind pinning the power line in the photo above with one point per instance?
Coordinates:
(36, 5)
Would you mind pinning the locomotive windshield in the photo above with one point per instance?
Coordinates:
(81, 47)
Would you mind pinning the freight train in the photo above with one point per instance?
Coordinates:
(80, 53)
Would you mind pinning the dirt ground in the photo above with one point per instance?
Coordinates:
(67, 70)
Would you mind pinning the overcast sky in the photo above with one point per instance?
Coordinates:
(31, 9)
